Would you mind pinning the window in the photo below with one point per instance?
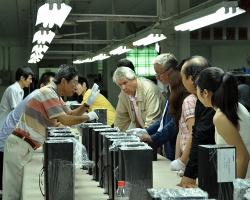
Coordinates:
(142, 58)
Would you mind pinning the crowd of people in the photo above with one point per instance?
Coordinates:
(201, 105)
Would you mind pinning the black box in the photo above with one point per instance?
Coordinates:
(113, 161)
(96, 157)
(106, 156)
(217, 170)
(102, 114)
(59, 168)
(136, 169)
(59, 132)
(84, 129)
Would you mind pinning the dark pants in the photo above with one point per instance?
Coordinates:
(1, 170)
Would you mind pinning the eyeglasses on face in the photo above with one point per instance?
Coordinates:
(166, 70)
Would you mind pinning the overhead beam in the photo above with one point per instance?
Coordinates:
(114, 18)
(81, 41)
(68, 52)
(57, 57)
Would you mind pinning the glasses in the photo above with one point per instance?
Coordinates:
(158, 75)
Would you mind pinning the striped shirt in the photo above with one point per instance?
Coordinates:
(41, 111)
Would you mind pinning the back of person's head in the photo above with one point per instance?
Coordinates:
(241, 79)
(123, 72)
(180, 64)
(224, 91)
(65, 71)
(177, 96)
(23, 71)
(82, 79)
(194, 65)
(125, 63)
(166, 60)
(45, 78)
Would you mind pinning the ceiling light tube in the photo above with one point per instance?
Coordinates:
(150, 39)
(36, 56)
(79, 61)
(43, 36)
(50, 14)
(207, 16)
(119, 50)
(39, 48)
(101, 56)
(33, 60)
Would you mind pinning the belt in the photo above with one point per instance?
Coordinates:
(25, 139)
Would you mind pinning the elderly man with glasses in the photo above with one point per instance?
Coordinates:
(163, 131)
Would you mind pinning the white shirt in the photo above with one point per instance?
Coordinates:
(12, 96)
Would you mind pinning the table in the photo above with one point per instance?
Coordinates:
(87, 188)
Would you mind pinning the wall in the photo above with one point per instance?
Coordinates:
(18, 57)
(230, 57)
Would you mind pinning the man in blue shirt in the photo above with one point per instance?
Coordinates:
(13, 117)
(163, 131)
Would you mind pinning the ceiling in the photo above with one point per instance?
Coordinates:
(18, 17)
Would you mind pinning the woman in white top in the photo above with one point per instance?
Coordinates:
(218, 90)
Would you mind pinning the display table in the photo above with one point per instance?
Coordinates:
(84, 186)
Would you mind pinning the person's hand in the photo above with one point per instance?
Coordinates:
(94, 92)
(137, 131)
(146, 138)
(187, 183)
(92, 115)
(177, 165)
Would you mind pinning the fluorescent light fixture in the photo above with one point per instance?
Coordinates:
(101, 56)
(157, 47)
(33, 60)
(155, 35)
(50, 14)
(88, 60)
(43, 36)
(207, 16)
(36, 56)
(39, 48)
(119, 50)
(80, 61)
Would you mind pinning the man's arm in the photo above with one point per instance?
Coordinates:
(122, 118)
(69, 120)
(78, 111)
(154, 127)
(168, 132)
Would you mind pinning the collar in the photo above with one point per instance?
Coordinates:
(18, 86)
(53, 86)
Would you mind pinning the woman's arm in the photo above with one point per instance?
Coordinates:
(178, 147)
(232, 137)
(185, 154)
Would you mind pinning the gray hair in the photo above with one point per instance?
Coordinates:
(123, 72)
(166, 60)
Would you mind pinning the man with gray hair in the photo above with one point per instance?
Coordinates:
(140, 101)
(163, 131)
(163, 65)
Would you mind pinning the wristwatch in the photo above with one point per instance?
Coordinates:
(86, 105)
